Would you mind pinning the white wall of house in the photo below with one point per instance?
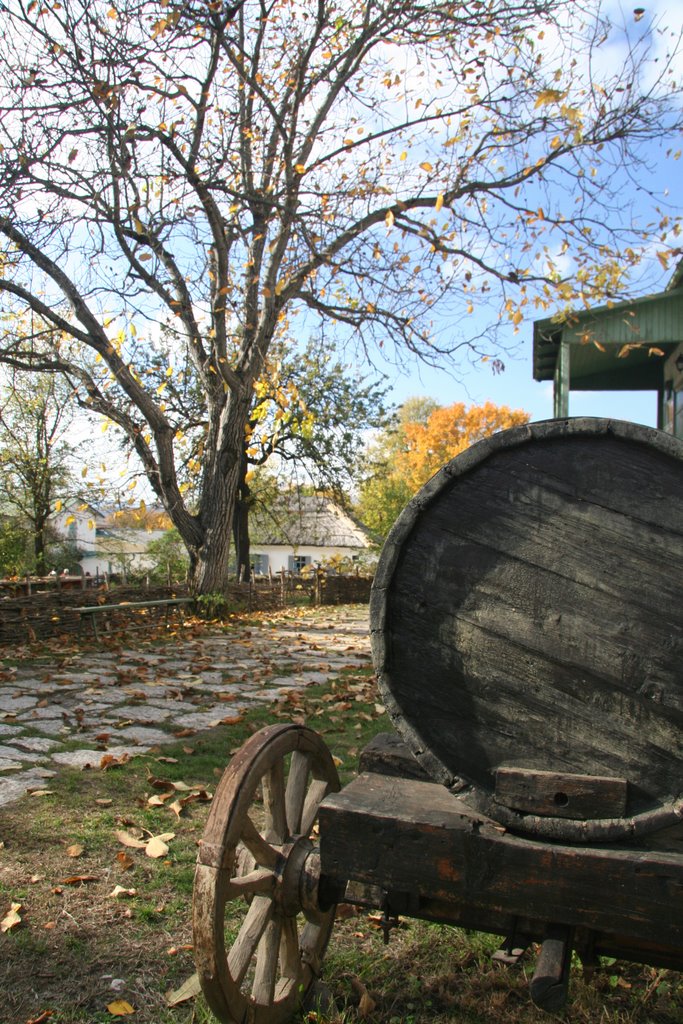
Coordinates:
(104, 549)
(79, 526)
(120, 550)
(275, 557)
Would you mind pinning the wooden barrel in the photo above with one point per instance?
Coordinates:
(527, 628)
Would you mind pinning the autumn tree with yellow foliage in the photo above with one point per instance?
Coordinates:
(448, 431)
(249, 171)
(423, 439)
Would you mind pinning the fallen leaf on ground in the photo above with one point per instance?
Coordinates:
(120, 1008)
(189, 990)
(128, 840)
(41, 1018)
(156, 846)
(79, 879)
(119, 890)
(124, 859)
(11, 918)
(159, 799)
(109, 761)
(367, 1004)
(41, 792)
(104, 802)
(75, 850)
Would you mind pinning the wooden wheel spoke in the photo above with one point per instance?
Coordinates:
(290, 960)
(296, 790)
(267, 955)
(316, 793)
(260, 881)
(262, 852)
(249, 936)
(274, 803)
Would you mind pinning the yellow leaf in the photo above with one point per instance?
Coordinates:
(120, 1008)
(128, 840)
(112, 13)
(156, 847)
(403, 155)
(119, 890)
(426, 166)
(191, 988)
(11, 918)
(556, 142)
(389, 219)
(58, 506)
(70, 520)
(145, 256)
(299, 168)
(663, 258)
(547, 96)
(439, 202)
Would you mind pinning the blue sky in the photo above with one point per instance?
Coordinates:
(662, 184)
(517, 388)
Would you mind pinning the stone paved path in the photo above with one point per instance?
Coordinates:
(134, 699)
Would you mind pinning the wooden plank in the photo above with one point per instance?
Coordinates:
(414, 837)
(388, 754)
(560, 794)
(123, 605)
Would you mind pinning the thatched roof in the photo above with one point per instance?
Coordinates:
(306, 521)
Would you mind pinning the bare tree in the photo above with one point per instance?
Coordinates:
(239, 168)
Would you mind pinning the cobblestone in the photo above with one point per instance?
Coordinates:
(176, 687)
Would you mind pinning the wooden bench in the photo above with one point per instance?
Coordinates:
(92, 611)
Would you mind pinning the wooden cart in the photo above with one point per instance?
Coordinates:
(527, 631)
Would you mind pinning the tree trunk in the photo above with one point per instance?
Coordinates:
(209, 559)
(39, 548)
(240, 526)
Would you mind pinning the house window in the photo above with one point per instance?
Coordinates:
(297, 562)
(259, 564)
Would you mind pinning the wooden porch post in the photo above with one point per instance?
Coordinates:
(561, 382)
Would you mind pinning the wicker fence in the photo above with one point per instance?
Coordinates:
(28, 613)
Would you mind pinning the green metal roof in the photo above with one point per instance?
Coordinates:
(652, 322)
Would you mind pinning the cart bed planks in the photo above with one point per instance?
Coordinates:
(416, 839)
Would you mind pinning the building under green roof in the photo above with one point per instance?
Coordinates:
(626, 346)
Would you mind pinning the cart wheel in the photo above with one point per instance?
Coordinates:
(259, 933)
